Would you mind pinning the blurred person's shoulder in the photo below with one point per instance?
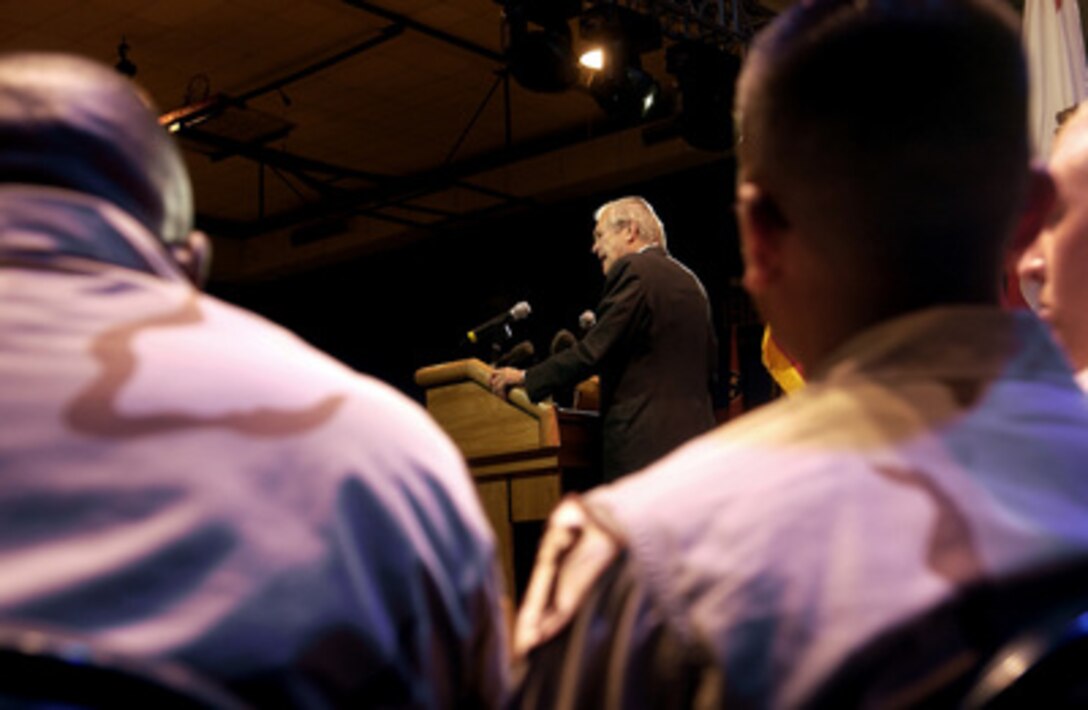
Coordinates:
(259, 361)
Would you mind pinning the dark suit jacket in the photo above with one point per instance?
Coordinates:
(654, 349)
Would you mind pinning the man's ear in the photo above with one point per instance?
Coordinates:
(194, 256)
(1042, 193)
(762, 230)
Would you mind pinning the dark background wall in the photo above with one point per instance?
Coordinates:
(391, 313)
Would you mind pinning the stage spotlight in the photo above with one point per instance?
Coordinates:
(616, 37)
(592, 59)
(706, 76)
(542, 60)
(629, 94)
(538, 43)
(622, 32)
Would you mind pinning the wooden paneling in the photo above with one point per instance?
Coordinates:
(512, 447)
(480, 423)
(534, 497)
(495, 497)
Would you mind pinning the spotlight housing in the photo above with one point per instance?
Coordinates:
(620, 85)
(539, 52)
(619, 26)
(629, 93)
(542, 60)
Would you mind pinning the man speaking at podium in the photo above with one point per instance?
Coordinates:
(653, 345)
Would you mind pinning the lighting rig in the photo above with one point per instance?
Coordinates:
(703, 42)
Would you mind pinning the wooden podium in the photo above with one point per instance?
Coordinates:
(523, 456)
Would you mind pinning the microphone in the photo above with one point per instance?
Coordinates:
(587, 320)
(520, 311)
(517, 355)
(563, 340)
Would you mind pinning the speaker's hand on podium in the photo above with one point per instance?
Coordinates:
(504, 378)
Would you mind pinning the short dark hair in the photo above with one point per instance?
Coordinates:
(900, 126)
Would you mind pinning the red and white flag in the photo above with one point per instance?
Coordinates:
(1054, 43)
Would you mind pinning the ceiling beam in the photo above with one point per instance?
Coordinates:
(384, 35)
(396, 189)
(435, 33)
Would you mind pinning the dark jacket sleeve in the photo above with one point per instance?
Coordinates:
(617, 313)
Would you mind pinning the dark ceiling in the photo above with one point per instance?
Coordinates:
(319, 130)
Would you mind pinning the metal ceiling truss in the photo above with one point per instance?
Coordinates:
(381, 191)
(727, 22)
